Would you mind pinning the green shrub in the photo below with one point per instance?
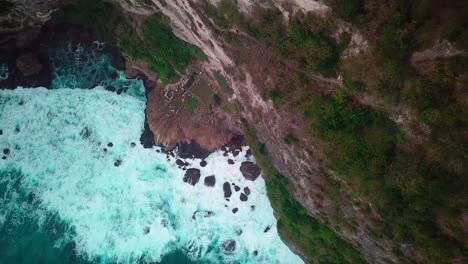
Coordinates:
(290, 139)
(348, 9)
(217, 100)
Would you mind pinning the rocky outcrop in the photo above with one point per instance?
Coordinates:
(250, 170)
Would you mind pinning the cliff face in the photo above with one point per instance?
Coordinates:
(248, 85)
(261, 69)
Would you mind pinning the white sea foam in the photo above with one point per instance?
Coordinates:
(140, 210)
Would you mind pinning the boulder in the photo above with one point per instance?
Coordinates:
(203, 163)
(243, 197)
(250, 170)
(227, 190)
(192, 176)
(210, 181)
(247, 191)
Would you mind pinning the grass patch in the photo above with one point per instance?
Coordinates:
(222, 82)
(316, 241)
(192, 105)
(164, 52)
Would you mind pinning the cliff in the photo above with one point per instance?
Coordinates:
(356, 111)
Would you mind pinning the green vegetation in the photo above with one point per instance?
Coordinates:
(151, 41)
(290, 139)
(410, 193)
(306, 39)
(164, 52)
(192, 105)
(316, 241)
(222, 82)
(217, 100)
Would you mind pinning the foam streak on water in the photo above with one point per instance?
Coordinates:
(140, 210)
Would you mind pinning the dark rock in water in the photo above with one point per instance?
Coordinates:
(203, 214)
(249, 170)
(117, 163)
(17, 129)
(157, 151)
(192, 176)
(252, 207)
(119, 92)
(132, 144)
(235, 210)
(85, 133)
(191, 150)
(210, 181)
(1, 132)
(267, 229)
(4, 157)
(180, 162)
(248, 153)
(31, 197)
(229, 246)
(225, 154)
(146, 230)
(230, 161)
(110, 145)
(6, 151)
(243, 197)
(105, 150)
(236, 188)
(203, 163)
(223, 149)
(147, 137)
(239, 232)
(235, 153)
(247, 191)
(114, 75)
(110, 88)
(255, 253)
(227, 190)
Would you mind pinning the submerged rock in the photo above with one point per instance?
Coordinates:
(228, 246)
(236, 188)
(6, 151)
(250, 170)
(247, 191)
(203, 214)
(210, 181)
(192, 176)
(235, 210)
(203, 163)
(267, 229)
(227, 189)
(117, 163)
(230, 162)
(180, 162)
